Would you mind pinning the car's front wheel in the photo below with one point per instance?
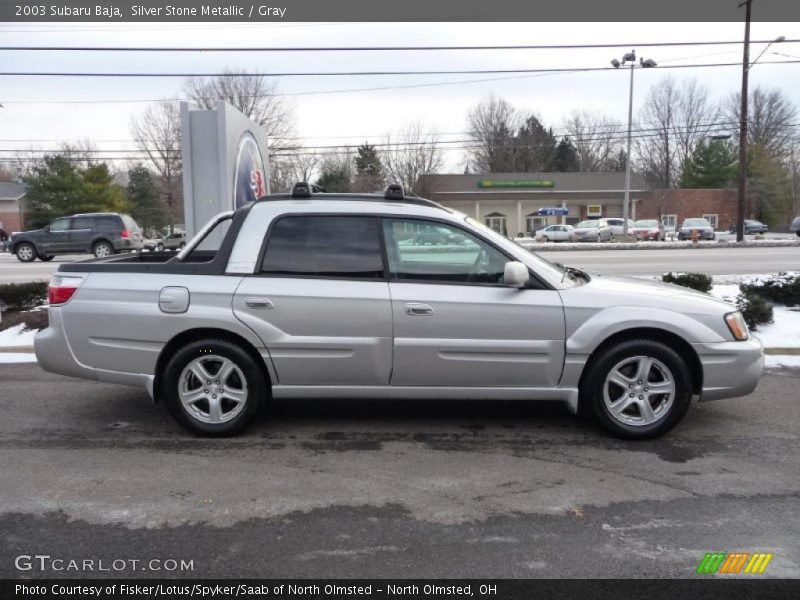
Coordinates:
(25, 252)
(213, 387)
(637, 389)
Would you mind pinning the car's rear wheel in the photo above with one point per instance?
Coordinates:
(213, 387)
(637, 389)
(25, 252)
(160, 247)
(102, 249)
(545, 239)
(46, 257)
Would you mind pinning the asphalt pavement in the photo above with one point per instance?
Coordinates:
(91, 470)
(713, 261)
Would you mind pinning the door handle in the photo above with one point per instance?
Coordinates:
(417, 309)
(254, 302)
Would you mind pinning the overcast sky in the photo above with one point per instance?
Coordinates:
(364, 115)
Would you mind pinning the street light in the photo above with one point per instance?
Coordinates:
(630, 59)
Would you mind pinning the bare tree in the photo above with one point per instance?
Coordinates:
(291, 167)
(674, 118)
(771, 119)
(411, 152)
(596, 139)
(157, 134)
(492, 125)
(255, 96)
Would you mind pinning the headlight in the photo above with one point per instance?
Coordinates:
(737, 325)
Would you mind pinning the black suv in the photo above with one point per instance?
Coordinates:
(102, 234)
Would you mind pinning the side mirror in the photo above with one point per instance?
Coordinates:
(516, 274)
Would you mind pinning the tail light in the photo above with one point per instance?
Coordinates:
(126, 233)
(62, 288)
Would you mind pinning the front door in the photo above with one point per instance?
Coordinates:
(320, 302)
(58, 239)
(456, 324)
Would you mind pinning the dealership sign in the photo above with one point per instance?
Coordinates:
(550, 212)
(515, 183)
(249, 182)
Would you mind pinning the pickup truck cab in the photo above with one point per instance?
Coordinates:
(308, 295)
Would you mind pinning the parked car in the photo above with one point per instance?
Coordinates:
(592, 230)
(435, 235)
(312, 296)
(618, 225)
(702, 226)
(101, 234)
(554, 233)
(174, 241)
(751, 226)
(795, 226)
(648, 229)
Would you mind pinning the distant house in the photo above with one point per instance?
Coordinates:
(12, 205)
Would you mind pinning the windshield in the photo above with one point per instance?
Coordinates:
(647, 223)
(696, 223)
(543, 267)
(587, 225)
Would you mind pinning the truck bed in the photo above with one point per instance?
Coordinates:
(198, 262)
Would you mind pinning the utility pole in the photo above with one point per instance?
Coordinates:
(743, 126)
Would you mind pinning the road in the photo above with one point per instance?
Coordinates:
(402, 489)
(713, 261)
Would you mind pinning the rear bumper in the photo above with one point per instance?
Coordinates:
(730, 369)
(127, 244)
(55, 355)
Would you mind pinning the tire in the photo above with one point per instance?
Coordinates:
(160, 247)
(244, 392)
(26, 252)
(46, 257)
(102, 249)
(599, 394)
(545, 239)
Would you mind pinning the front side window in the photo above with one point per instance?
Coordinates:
(465, 258)
(59, 225)
(324, 246)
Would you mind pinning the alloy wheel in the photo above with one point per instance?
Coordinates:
(639, 391)
(212, 389)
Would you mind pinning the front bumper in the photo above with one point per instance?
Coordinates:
(730, 369)
(55, 355)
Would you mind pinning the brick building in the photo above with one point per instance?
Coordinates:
(673, 206)
(12, 205)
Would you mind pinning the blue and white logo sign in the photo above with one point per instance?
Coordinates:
(249, 182)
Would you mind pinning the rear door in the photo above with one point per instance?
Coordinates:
(457, 324)
(320, 301)
(81, 232)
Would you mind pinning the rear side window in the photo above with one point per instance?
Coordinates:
(109, 223)
(82, 223)
(322, 246)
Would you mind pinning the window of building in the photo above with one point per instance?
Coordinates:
(330, 246)
(497, 222)
(713, 219)
(448, 255)
(669, 221)
(534, 223)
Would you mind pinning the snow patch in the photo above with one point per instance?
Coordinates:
(17, 357)
(17, 335)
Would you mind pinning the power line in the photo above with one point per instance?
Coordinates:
(374, 48)
(227, 74)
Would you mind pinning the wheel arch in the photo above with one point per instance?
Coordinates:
(668, 338)
(199, 333)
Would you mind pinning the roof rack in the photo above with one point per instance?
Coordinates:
(394, 191)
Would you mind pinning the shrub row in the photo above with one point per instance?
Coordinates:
(23, 296)
(780, 289)
(696, 281)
